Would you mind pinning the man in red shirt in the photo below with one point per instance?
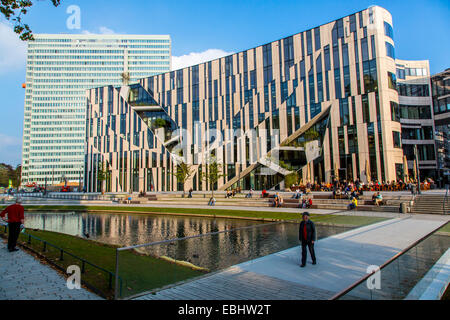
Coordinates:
(15, 220)
(307, 236)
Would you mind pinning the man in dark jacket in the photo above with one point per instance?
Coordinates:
(307, 236)
(15, 221)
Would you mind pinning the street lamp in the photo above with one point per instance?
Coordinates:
(416, 155)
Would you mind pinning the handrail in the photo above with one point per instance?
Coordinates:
(45, 243)
(398, 255)
(87, 197)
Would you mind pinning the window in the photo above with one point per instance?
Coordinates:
(392, 81)
(317, 38)
(401, 74)
(388, 31)
(309, 42)
(397, 139)
(395, 111)
(390, 51)
(413, 90)
(415, 112)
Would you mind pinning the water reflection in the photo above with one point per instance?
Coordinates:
(211, 252)
(129, 229)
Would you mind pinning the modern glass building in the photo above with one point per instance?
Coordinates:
(60, 67)
(441, 102)
(318, 103)
(415, 113)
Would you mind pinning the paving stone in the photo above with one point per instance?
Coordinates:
(23, 277)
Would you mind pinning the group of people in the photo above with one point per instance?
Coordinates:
(278, 200)
(376, 185)
(377, 199)
(232, 192)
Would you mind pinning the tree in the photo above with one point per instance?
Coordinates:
(183, 173)
(7, 172)
(102, 175)
(213, 174)
(291, 179)
(14, 9)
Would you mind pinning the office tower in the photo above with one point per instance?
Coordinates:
(60, 67)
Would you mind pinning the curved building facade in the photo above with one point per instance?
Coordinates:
(318, 103)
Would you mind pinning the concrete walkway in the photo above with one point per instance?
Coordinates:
(342, 260)
(22, 277)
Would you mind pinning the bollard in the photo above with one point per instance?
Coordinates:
(403, 208)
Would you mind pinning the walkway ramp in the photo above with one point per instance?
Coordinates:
(23, 277)
(342, 260)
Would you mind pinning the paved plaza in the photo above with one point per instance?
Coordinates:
(23, 277)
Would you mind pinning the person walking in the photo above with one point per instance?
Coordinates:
(307, 236)
(15, 221)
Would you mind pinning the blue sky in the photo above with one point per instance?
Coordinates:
(421, 32)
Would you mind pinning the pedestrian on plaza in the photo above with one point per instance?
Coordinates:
(15, 220)
(307, 236)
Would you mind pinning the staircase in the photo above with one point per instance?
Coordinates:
(431, 204)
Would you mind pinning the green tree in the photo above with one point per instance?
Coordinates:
(183, 173)
(13, 10)
(291, 179)
(159, 123)
(7, 172)
(102, 175)
(213, 174)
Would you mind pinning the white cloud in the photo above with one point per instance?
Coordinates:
(101, 30)
(13, 51)
(105, 30)
(194, 58)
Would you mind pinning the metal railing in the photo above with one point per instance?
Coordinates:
(386, 264)
(45, 246)
(68, 196)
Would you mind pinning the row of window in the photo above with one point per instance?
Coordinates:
(101, 40)
(441, 87)
(409, 112)
(411, 72)
(441, 105)
(422, 133)
(413, 90)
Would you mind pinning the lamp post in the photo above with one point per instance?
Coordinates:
(416, 155)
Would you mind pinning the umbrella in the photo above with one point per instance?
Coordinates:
(368, 171)
(405, 169)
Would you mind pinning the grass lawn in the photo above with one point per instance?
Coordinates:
(134, 268)
(445, 228)
(268, 215)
